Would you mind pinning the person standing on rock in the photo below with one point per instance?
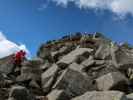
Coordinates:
(19, 58)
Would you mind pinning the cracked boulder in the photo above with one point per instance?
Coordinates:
(73, 81)
(112, 81)
(72, 56)
(20, 93)
(49, 77)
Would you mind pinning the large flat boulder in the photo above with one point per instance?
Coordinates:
(71, 57)
(113, 80)
(102, 95)
(99, 62)
(76, 67)
(73, 81)
(62, 51)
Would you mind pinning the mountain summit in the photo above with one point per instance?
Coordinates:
(79, 66)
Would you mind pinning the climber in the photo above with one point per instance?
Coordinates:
(19, 58)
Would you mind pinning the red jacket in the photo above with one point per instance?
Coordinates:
(19, 56)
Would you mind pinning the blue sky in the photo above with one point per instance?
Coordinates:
(32, 22)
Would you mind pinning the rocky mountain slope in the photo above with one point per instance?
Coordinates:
(75, 67)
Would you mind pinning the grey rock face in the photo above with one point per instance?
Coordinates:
(88, 63)
(73, 81)
(114, 80)
(120, 55)
(75, 67)
(103, 51)
(48, 78)
(20, 93)
(29, 73)
(50, 72)
(69, 58)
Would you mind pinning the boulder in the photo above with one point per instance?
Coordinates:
(58, 95)
(48, 78)
(105, 95)
(71, 57)
(113, 81)
(49, 73)
(103, 52)
(80, 58)
(73, 81)
(103, 69)
(29, 73)
(113, 49)
(76, 67)
(20, 93)
(62, 51)
(120, 55)
(88, 63)
(99, 62)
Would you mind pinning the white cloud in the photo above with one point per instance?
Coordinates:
(8, 47)
(118, 7)
(62, 2)
(122, 7)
